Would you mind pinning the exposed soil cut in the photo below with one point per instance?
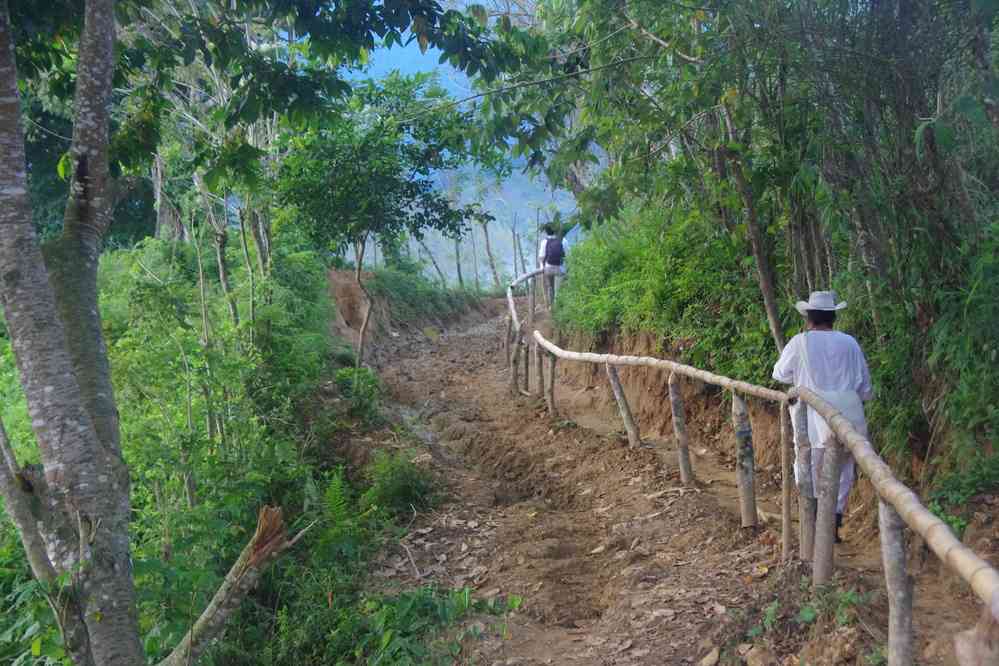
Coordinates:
(617, 563)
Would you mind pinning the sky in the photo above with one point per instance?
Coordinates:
(517, 198)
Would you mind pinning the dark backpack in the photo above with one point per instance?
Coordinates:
(554, 252)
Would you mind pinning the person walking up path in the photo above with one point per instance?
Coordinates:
(551, 255)
(833, 365)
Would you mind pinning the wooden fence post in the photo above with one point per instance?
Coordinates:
(745, 465)
(786, 474)
(515, 365)
(525, 359)
(825, 520)
(680, 429)
(539, 367)
(550, 393)
(506, 339)
(899, 584)
(807, 503)
(622, 404)
(530, 331)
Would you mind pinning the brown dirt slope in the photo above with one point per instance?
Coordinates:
(616, 562)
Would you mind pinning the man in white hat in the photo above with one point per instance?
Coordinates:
(833, 365)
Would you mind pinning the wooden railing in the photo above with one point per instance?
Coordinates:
(898, 506)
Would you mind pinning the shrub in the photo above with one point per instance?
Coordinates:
(363, 391)
(397, 485)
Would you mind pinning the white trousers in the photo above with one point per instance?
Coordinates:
(848, 474)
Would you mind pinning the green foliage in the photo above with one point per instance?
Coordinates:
(678, 276)
(27, 633)
(362, 390)
(397, 485)
(876, 657)
(412, 298)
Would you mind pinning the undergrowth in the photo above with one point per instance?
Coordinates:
(790, 618)
(412, 298)
(674, 273)
(213, 427)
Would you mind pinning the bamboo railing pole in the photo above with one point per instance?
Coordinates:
(960, 559)
(662, 364)
(825, 520)
(550, 391)
(745, 466)
(622, 404)
(680, 429)
(982, 577)
(899, 584)
(786, 476)
(807, 504)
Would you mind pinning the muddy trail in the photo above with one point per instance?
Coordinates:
(616, 562)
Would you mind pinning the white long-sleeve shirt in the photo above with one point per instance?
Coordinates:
(834, 362)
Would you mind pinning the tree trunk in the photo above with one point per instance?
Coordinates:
(359, 260)
(457, 262)
(249, 273)
(80, 506)
(492, 260)
(221, 240)
(475, 261)
(168, 225)
(745, 465)
(764, 269)
(77, 502)
(516, 251)
(440, 273)
(520, 249)
(261, 238)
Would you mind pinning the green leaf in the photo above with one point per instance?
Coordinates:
(807, 614)
(36, 647)
(65, 166)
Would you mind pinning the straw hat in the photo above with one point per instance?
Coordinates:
(820, 300)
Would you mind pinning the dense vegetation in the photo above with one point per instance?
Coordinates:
(220, 430)
(730, 157)
(169, 218)
(178, 177)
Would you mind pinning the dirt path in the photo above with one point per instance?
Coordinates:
(615, 561)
